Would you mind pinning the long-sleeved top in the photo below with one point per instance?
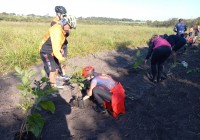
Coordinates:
(53, 41)
(173, 39)
(56, 20)
(157, 42)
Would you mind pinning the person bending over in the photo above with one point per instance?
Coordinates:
(177, 42)
(159, 50)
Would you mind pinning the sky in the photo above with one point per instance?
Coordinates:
(132, 9)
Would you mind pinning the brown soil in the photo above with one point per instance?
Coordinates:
(169, 110)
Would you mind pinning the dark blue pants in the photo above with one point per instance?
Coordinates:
(158, 58)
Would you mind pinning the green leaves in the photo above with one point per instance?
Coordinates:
(24, 73)
(35, 123)
(20, 87)
(78, 79)
(193, 70)
(48, 105)
(138, 53)
(25, 80)
(137, 60)
(33, 100)
(18, 70)
(43, 73)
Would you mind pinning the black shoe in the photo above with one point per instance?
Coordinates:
(151, 78)
(163, 77)
(99, 109)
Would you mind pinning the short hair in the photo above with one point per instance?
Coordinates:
(180, 20)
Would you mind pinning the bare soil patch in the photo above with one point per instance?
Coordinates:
(169, 110)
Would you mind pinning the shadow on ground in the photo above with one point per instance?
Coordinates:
(169, 110)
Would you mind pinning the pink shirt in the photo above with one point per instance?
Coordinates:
(159, 41)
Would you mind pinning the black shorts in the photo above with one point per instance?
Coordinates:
(50, 62)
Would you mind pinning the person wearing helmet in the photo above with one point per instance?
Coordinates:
(105, 90)
(159, 50)
(177, 42)
(60, 13)
(180, 28)
(50, 49)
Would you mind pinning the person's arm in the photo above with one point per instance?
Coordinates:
(196, 32)
(57, 40)
(89, 91)
(150, 50)
(175, 28)
(67, 34)
(185, 28)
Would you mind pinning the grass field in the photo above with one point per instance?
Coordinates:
(19, 41)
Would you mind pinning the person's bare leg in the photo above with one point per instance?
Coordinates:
(174, 56)
(56, 73)
(52, 79)
(63, 67)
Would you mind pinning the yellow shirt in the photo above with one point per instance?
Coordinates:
(53, 41)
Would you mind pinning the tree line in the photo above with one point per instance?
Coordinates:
(99, 20)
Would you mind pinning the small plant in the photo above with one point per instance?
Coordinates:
(82, 85)
(80, 80)
(77, 78)
(33, 101)
(193, 70)
(137, 60)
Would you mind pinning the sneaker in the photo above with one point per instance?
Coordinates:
(163, 77)
(99, 109)
(60, 87)
(65, 77)
(59, 83)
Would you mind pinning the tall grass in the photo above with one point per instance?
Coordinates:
(19, 41)
(19, 44)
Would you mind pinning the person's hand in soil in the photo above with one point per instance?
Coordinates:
(86, 97)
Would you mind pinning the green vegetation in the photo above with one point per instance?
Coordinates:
(98, 20)
(20, 36)
(34, 101)
(195, 70)
(137, 60)
(19, 41)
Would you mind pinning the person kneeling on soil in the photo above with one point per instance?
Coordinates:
(159, 50)
(107, 92)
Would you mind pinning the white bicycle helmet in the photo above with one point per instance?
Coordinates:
(70, 20)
